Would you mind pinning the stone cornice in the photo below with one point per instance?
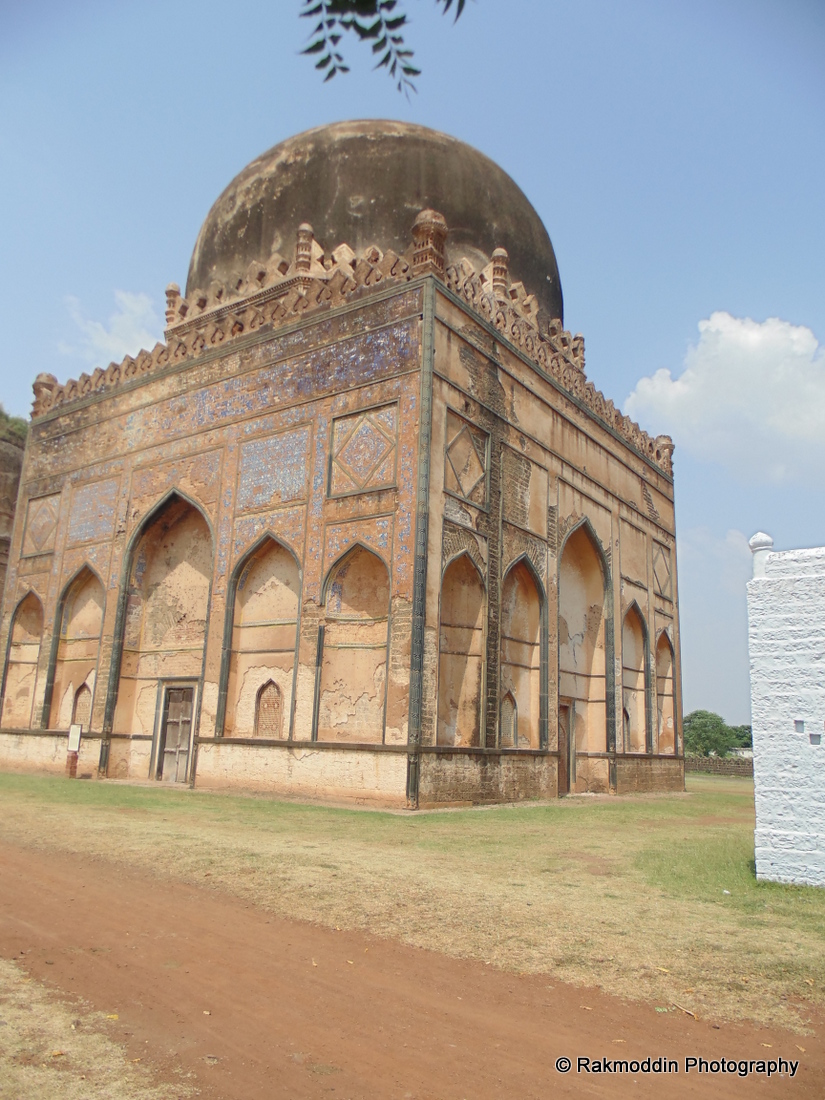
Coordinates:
(277, 293)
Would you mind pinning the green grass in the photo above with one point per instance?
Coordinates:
(624, 893)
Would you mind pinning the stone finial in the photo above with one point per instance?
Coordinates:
(501, 266)
(303, 250)
(429, 236)
(43, 386)
(761, 545)
(172, 301)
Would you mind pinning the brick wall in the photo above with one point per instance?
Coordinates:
(713, 765)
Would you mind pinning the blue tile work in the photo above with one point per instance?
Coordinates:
(92, 515)
(287, 526)
(363, 450)
(273, 470)
(41, 525)
(374, 532)
(199, 476)
(263, 385)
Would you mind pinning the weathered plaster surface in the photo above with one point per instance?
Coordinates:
(786, 633)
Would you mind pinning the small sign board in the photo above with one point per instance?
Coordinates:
(75, 731)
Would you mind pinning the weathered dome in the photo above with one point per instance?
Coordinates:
(362, 183)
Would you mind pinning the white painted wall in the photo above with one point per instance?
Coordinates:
(786, 633)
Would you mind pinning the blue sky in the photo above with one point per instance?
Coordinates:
(673, 148)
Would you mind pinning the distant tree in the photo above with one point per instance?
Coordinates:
(744, 736)
(377, 22)
(12, 427)
(708, 734)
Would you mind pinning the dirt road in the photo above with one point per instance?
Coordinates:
(258, 1007)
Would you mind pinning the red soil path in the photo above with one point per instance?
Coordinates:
(296, 1010)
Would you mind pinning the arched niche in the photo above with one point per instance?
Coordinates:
(163, 625)
(21, 663)
(269, 711)
(353, 643)
(460, 654)
(265, 612)
(664, 695)
(78, 645)
(520, 661)
(634, 682)
(582, 645)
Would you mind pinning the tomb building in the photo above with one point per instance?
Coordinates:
(361, 528)
(786, 636)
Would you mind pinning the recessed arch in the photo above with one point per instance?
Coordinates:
(160, 633)
(75, 647)
(635, 681)
(269, 711)
(585, 655)
(333, 570)
(522, 635)
(353, 643)
(260, 641)
(461, 653)
(22, 659)
(666, 711)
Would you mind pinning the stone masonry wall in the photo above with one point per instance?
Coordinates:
(786, 623)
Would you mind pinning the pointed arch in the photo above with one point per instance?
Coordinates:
(22, 659)
(82, 707)
(353, 644)
(585, 648)
(523, 653)
(269, 711)
(263, 610)
(508, 722)
(163, 611)
(636, 681)
(461, 653)
(666, 711)
(75, 647)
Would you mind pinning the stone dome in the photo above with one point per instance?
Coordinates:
(363, 183)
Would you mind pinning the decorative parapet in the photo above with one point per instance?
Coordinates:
(278, 292)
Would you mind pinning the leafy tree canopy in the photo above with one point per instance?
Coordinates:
(12, 427)
(707, 734)
(377, 22)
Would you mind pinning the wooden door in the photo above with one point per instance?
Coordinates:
(175, 734)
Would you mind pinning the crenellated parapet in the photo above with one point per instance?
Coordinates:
(279, 291)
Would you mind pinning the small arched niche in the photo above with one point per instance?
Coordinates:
(21, 664)
(664, 695)
(269, 711)
(353, 677)
(264, 640)
(582, 640)
(78, 646)
(634, 693)
(461, 654)
(520, 661)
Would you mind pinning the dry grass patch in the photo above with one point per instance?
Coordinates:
(50, 1051)
(652, 898)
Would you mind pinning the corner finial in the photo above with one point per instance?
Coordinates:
(429, 236)
(501, 265)
(303, 250)
(761, 545)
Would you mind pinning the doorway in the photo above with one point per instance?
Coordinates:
(175, 733)
(567, 754)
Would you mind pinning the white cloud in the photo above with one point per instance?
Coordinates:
(751, 397)
(133, 325)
